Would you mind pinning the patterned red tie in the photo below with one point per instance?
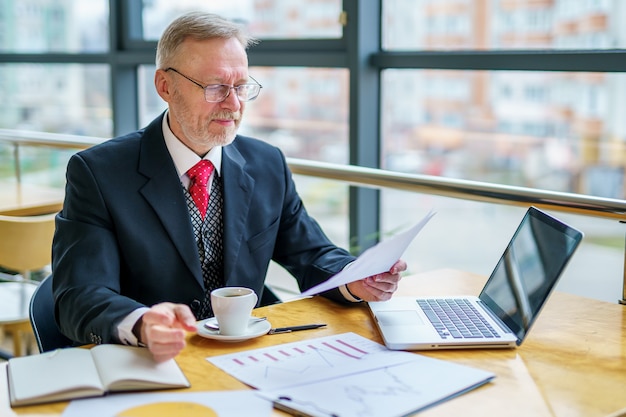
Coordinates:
(199, 175)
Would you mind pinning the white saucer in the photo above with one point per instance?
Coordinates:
(255, 329)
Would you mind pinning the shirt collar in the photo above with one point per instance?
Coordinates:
(183, 157)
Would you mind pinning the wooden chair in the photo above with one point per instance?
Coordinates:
(25, 246)
(26, 242)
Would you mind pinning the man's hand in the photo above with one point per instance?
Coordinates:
(164, 327)
(378, 287)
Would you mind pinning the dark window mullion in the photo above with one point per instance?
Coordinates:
(130, 20)
(362, 35)
(125, 23)
(539, 60)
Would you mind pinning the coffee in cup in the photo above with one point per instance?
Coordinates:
(232, 307)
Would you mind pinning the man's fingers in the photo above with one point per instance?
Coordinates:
(185, 317)
(165, 335)
(164, 342)
(164, 329)
(399, 266)
(160, 314)
(172, 315)
(379, 287)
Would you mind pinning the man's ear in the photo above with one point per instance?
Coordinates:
(162, 84)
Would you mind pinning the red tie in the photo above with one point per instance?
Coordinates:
(199, 175)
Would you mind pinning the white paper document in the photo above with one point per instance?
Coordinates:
(392, 391)
(375, 260)
(308, 361)
(348, 375)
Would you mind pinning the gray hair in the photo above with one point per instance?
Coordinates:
(198, 26)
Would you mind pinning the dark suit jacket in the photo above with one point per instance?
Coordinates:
(124, 237)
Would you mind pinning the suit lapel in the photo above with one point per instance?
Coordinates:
(238, 187)
(163, 192)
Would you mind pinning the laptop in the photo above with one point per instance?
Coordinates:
(507, 306)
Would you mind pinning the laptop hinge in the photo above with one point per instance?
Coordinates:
(495, 318)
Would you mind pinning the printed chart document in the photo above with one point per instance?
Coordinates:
(75, 373)
(173, 404)
(348, 375)
(375, 260)
(308, 361)
(392, 391)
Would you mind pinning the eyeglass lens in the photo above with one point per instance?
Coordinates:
(244, 92)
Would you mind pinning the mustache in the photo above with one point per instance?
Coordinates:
(226, 115)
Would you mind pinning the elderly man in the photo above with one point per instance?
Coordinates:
(156, 219)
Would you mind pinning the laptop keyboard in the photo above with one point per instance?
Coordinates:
(457, 318)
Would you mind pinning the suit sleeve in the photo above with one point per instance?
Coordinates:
(86, 263)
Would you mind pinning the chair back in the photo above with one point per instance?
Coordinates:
(26, 242)
(41, 312)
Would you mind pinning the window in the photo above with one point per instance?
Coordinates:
(279, 19)
(501, 24)
(544, 130)
(57, 98)
(69, 26)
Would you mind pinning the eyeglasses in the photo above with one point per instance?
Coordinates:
(216, 93)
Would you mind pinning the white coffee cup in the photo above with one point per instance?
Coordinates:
(232, 307)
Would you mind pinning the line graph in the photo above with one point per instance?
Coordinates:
(307, 361)
(395, 390)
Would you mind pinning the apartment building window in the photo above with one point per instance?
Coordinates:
(525, 115)
(277, 19)
(501, 24)
(56, 98)
(72, 26)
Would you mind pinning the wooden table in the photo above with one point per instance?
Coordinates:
(573, 363)
(28, 199)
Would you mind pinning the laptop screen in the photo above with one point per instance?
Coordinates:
(529, 269)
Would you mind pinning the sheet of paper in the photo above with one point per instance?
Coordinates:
(188, 404)
(375, 260)
(392, 391)
(308, 361)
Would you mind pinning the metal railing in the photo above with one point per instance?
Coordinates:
(377, 178)
(464, 189)
(19, 138)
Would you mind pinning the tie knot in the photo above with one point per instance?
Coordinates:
(200, 172)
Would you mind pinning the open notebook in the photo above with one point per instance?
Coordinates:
(506, 308)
